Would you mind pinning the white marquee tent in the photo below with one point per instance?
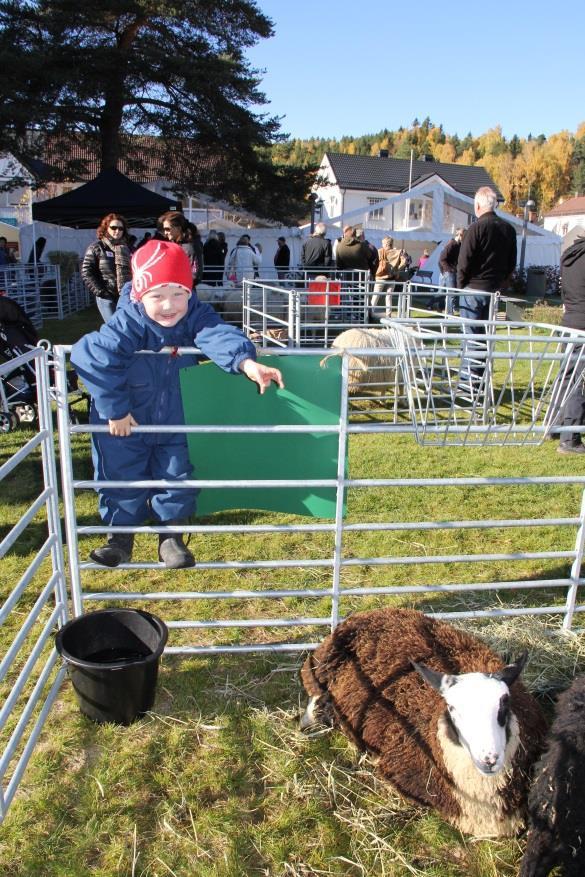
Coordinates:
(441, 210)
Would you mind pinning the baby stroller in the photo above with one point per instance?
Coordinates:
(18, 388)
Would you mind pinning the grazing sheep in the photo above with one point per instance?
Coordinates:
(364, 370)
(556, 835)
(463, 744)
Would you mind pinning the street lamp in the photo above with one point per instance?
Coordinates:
(528, 206)
(316, 208)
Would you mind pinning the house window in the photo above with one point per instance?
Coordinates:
(376, 213)
(415, 210)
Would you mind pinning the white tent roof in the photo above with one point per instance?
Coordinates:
(543, 247)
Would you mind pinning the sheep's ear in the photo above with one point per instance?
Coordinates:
(438, 681)
(510, 672)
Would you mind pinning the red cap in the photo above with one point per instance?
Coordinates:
(158, 264)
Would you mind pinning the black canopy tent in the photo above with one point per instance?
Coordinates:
(109, 192)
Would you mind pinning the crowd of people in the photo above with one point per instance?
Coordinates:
(105, 267)
(482, 259)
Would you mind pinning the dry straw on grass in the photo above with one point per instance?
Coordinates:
(554, 658)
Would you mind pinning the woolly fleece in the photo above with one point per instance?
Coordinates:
(381, 703)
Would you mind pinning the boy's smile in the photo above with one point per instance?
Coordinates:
(166, 305)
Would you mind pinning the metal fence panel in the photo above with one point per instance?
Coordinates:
(35, 596)
(319, 573)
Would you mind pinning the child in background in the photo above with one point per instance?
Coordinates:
(130, 389)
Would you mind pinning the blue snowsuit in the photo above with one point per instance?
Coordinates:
(121, 381)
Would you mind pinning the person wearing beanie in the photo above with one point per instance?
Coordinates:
(130, 389)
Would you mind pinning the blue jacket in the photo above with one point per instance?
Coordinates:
(121, 381)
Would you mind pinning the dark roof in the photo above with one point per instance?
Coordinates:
(392, 174)
(144, 159)
(110, 192)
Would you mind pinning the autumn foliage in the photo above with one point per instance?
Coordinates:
(544, 169)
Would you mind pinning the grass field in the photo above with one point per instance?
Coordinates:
(217, 781)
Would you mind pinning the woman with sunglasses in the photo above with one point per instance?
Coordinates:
(106, 264)
(174, 227)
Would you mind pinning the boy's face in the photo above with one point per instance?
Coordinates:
(166, 305)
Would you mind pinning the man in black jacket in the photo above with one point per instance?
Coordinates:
(282, 258)
(316, 251)
(448, 273)
(486, 260)
(487, 256)
(573, 293)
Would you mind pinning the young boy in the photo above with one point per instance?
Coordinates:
(130, 389)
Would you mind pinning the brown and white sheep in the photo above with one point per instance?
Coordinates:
(556, 835)
(465, 749)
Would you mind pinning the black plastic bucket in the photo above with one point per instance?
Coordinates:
(113, 657)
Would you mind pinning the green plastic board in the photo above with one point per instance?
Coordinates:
(312, 396)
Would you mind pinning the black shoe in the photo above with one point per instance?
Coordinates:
(571, 449)
(173, 552)
(117, 550)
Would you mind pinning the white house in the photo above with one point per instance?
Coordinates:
(16, 204)
(567, 218)
(349, 183)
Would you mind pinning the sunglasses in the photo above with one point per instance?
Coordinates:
(167, 227)
(116, 228)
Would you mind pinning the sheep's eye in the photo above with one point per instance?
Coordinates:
(504, 710)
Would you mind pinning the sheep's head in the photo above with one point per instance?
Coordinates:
(478, 706)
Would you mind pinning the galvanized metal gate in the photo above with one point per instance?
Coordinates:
(329, 563)
(35, 599)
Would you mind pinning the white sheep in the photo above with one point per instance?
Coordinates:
(366, 371)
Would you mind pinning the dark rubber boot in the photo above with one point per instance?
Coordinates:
(173, 552)
(117, 550)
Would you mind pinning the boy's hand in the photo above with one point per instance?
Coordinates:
(122, 427)
(261, 374)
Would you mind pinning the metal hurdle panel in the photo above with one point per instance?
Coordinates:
(51, 293)
(34, 594)
(75, 296)
(313, 306)
(305, 311)
(323, 570)
(22, 283)
(38, 290)
(472, 382)
(320, 567)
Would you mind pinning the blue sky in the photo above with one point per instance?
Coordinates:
(354, 68)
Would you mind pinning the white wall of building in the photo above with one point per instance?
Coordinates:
(562, 225)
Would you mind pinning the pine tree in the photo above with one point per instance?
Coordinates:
(126, 67)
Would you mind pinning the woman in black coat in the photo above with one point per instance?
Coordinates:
(213, 259)
(106, 264)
